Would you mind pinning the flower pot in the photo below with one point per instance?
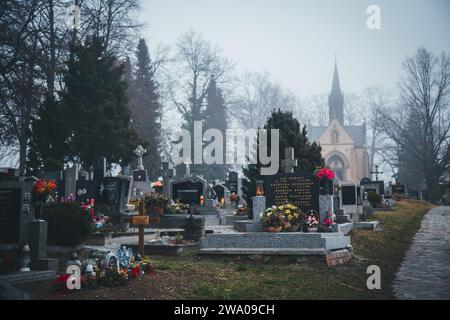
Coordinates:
(272, 229)
(153, 211)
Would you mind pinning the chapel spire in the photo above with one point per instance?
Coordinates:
(336, 99)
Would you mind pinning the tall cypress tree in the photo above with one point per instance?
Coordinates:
(146, 108)
(291, 135)
(95, 105)
(215, 117)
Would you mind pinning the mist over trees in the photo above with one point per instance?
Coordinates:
(420, 124)
(170, 86)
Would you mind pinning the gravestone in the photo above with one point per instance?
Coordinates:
(140, 177)
(10, 205)
(233, 182)
(351, 200)
(70, 181)
(16, 210)
(188, 191)
(299, 189)
(99, 168)
(373, 186)
(220, 191)
(111, 193)
(85, 189)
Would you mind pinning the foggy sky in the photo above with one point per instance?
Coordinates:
(295, 40)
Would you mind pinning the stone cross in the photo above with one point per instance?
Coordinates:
(289, 163)
(139, 152)
(141, 220)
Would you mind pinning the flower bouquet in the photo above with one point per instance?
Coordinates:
(42, 189)
(310, 221)
(327, 223)
(273, 220)
(155, 203)
(325, 175)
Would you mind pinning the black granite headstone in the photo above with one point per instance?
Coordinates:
(85, 189)
(109, 192)
(296, 188)
(220, 191)
(99, 168)
(140, 175)
(10, 215)
(188, 192)
(348, 195)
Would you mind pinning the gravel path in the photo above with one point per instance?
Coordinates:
(425, 271)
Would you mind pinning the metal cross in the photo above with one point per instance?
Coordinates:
(376, 172)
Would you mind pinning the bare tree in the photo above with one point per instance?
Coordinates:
(317, 107)
(258, 95)
(376, 99)
(420, 125)
(198, 64)
(354, 109)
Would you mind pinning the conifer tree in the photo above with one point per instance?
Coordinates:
(95, 107)
(146, 108)
(291, 135)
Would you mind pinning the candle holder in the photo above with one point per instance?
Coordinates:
(259, 187)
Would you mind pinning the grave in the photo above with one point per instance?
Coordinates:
(291, 187)
(18, 225)
(351, 200)
(113, 196)
(188, 189)
(141, 183)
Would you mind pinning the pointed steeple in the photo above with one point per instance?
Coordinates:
(336, 99)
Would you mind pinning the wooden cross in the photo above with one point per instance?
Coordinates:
(289, 163)
(141, 220)
(376, 173)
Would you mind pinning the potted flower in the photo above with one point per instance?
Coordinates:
(327, 223)
(155, 204)
(325, 175)
(292, 216)
(310, 221)
(273, 220)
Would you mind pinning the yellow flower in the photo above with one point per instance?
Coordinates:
(288, 211)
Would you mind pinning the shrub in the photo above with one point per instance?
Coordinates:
(67, 223)
(374, 198)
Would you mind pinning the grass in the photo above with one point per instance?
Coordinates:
(306, 278)
(191, 276)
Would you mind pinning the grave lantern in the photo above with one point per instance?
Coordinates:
(259, 188)
(202, 200)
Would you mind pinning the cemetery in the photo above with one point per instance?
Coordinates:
(138, 161)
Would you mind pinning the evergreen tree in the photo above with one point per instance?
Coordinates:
(215, 117)
(48, 146)
(308, 154)
(146, 109)
(95, 107)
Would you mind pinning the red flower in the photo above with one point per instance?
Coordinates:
(136, 272)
